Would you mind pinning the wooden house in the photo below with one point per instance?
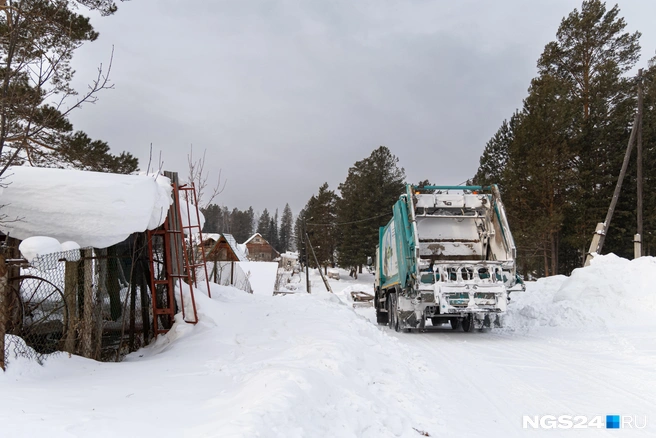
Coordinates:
(222, 248)
(259, 250)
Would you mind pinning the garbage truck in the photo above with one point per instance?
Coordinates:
(447, 256)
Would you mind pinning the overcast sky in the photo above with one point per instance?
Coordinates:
(287, 94)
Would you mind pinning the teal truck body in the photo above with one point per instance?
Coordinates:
(446, 256)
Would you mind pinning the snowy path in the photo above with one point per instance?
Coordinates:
(573, 346)
(311, 366)
(498, 378)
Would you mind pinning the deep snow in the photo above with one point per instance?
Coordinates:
(91, 208)
(312, 365)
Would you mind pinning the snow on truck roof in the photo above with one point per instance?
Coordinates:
(450, 200)
(90, 208)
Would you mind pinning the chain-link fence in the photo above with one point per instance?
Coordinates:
(91, 302)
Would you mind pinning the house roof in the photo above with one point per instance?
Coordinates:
(235, 247)
(253, 237)
(214, 236)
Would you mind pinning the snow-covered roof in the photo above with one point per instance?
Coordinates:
(252, 237)
(235, 247)
(214, 236)
(90, 208)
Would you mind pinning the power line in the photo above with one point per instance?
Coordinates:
(347, 223)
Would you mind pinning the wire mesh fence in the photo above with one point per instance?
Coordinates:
(92, 302)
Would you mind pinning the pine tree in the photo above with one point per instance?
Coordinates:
(371, 188)
(37, 42)
(79, 151)
(591, 54)
(559, 157)
(286, 229)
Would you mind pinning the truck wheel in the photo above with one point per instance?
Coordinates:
(382, 318)
(436, 321)
(455, 323)
(468, 323)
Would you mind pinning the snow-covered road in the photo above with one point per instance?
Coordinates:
(579, 346)
(498, 377)
(313, 366)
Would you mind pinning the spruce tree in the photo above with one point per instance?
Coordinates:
(299, 233)
(286, 229)
(263, 225)
(493, 162)
(212, 218)
(371, 188)
(320, 214)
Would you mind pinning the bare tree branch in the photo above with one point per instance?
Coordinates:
(199, 177)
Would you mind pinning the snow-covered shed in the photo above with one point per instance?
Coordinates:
(92, 302)
(93, 209)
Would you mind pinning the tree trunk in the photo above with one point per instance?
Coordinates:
(554, 253)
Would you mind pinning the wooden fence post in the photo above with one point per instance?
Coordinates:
(102, 274)
(70, 297)
(4, 308)
(87, 322)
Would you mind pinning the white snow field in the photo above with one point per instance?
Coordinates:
(313, 366)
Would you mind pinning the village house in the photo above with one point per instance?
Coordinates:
(259, 250)
(223, 248)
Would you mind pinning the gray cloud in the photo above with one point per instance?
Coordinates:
(285, 95)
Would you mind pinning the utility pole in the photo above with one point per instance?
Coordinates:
(307, 257)
(602, 228)
(638, 238)
(316, 260)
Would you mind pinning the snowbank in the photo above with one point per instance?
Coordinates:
(611, 292)
(262, 276)
(285, 366)
(90, 208)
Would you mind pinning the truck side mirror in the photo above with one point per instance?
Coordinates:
(369, 261)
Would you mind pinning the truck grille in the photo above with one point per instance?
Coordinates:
(459, 299)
